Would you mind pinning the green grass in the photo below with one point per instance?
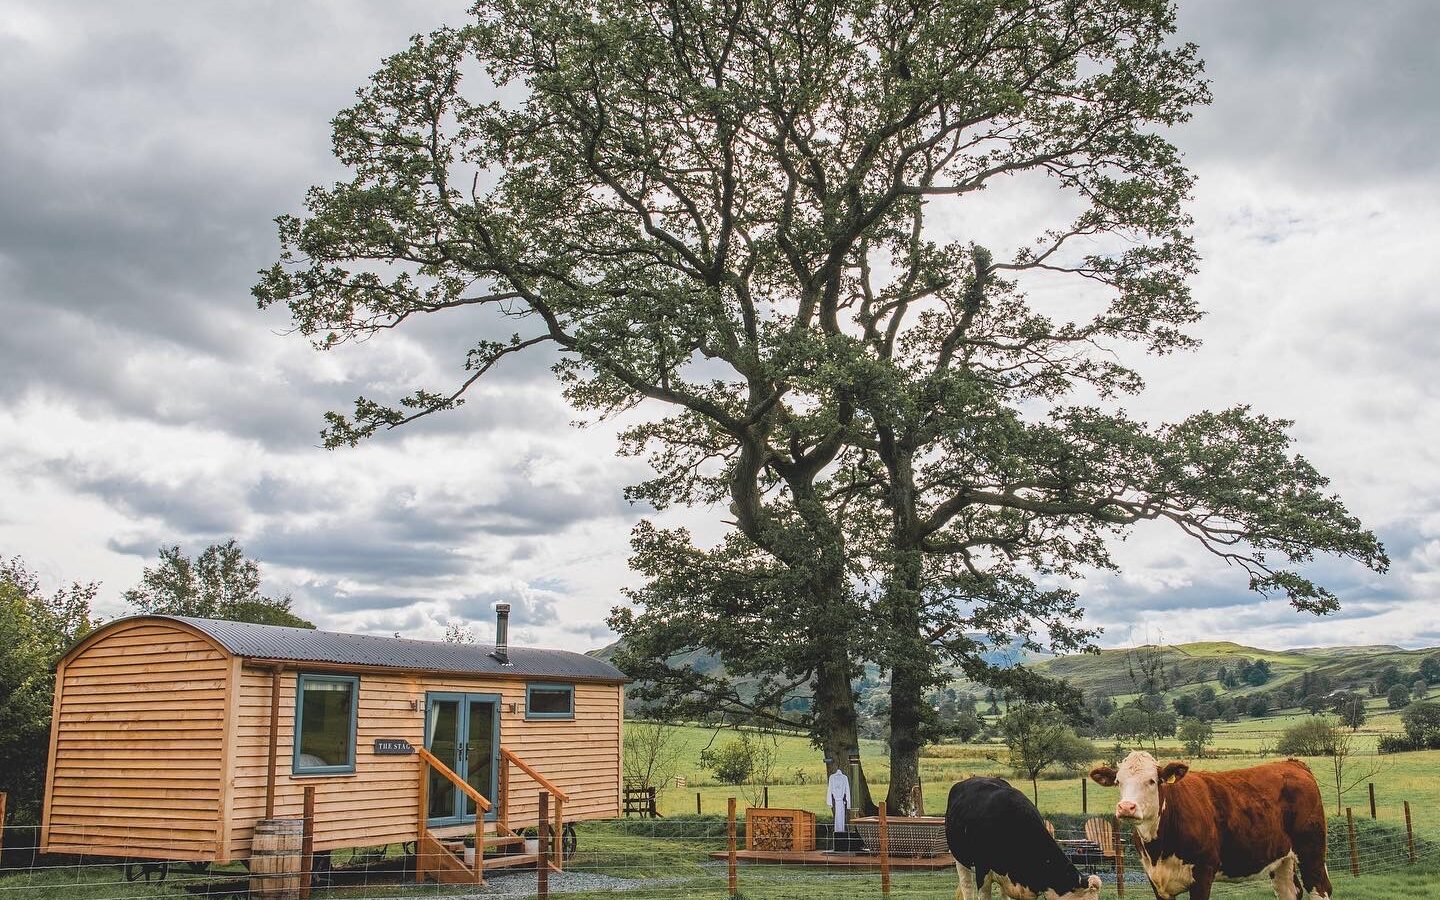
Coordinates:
(84, 883)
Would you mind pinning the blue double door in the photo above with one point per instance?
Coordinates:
(463, 731)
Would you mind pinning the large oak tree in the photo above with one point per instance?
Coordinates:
(753, 219)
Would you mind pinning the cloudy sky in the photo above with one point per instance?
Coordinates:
(146, 147)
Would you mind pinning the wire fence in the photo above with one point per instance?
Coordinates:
(684, 858)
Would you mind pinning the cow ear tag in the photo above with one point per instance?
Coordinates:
(1171, 779)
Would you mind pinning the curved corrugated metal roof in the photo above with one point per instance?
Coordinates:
(308, 645)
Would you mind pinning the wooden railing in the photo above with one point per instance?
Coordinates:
(442, 860)
(508, 758)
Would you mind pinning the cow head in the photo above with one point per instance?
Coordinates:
(1089, 889)
(1139, 778)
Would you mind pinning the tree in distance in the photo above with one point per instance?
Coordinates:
(1397, 697)
(1350, 708)
(736, 217)
(1038, 738)
(1195, 734)
(220, 583)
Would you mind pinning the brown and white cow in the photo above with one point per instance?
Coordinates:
(1195, 827)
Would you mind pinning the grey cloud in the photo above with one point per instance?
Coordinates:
(527, 608)
(1325, 92)
(355, 551)
(188, 508)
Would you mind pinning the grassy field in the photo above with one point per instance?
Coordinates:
(669, 857)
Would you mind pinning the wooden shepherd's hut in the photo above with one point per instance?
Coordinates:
(174, 736)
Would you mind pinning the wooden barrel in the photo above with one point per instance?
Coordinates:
(275, 861)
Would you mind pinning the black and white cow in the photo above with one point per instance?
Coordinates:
(998, 838)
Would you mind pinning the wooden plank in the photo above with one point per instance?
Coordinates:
(884, 853)
(732, 872)
(50, 759)
(225, 818)
(1354, 854)
(307, 844)
(542, 842)
(274, 741)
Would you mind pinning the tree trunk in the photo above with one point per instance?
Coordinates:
(909, 676)
(837, 725)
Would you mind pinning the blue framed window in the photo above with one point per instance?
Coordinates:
(325, 711)
(549, 701)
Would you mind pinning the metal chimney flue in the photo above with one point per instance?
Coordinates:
(502, 634)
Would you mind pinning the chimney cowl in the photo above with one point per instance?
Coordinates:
(502, 634)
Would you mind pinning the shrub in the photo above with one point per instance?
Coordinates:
(732, 763)
(1398, 697)
(1312, 737)
(1422, 725)
(1395, 743)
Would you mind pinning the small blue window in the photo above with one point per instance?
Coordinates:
(549, 701)
(325, 710)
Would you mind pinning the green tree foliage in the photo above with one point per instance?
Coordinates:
(1136, 723)
(1316, 736)
(1195, 734)
(1350, 708)
(1397, 697)
(729, 213)
(1255, 673)
(1038, 738)
(732, 762)
(1258, 707)
(35, 631)
(220, 583)
(1430, 668)
(1422, 725)
(1389, 676)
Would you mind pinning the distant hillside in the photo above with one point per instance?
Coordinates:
(1185, 666)
(1189, 665)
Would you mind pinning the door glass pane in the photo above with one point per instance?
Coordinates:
(444, 743)
(480, 759)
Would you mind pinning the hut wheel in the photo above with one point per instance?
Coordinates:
(569, 840)
(147, 871)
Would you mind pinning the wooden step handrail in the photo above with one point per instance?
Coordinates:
(462, 784)
(539, 779)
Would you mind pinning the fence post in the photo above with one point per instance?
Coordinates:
(1409, 833)
(765, 794)
(731, 868)
(697, 803)
(1119, 860)
(3, 798)
(307, 844)
(1354, 855)
(884, 853)
(1372, 799)
(1084, 796)
(542, 834)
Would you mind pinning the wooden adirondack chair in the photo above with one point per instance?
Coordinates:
(1102, 833)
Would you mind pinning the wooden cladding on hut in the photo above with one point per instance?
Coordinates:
(174, 736)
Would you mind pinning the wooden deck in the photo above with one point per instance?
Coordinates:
(822, 858)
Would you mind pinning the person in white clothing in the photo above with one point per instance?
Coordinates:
(838, 799)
